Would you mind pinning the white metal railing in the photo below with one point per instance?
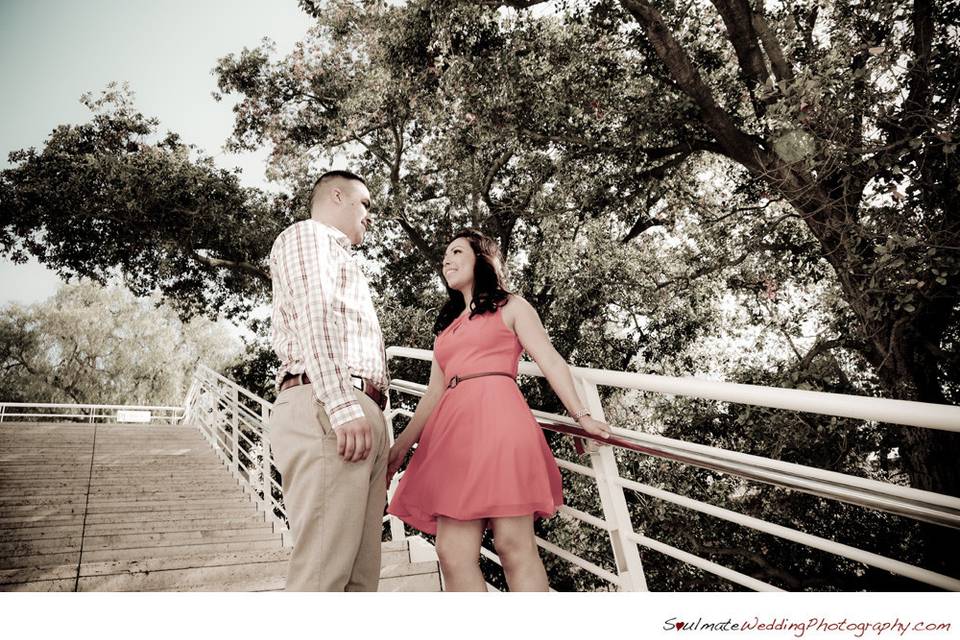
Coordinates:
(604, 470)
(234, 421)
(112, 413)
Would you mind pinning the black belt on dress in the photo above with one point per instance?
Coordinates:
(455, 380)
(364, 385)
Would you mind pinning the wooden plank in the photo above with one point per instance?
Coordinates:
(192, 561)
(40, 532)
(425, 582)
(39, 560)
(28, 547)
(237, 577)
(246, 509)
(140, 540)
(167, 525)
(180, 550)
(35, 574)
(41, 585)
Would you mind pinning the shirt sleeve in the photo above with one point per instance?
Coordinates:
(311, 270)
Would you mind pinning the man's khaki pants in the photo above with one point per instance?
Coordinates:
(335, 508)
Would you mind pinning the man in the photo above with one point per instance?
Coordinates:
(327, 430)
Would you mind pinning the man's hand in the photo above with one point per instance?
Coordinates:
(354, 440)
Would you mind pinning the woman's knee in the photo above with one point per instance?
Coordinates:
(456, 558)
(458, 548)
(515, 547)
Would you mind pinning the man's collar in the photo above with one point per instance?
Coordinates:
(338, 235)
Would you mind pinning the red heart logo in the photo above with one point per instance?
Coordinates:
(680, 625)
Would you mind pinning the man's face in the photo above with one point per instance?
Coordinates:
(354, 214)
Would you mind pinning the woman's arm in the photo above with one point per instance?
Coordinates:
(428, 401)
(533, 337)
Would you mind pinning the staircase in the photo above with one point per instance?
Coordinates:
(113, 507)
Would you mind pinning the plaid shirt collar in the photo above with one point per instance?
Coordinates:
(340, 237)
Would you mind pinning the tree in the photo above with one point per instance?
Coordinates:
(820, 109)
(100, 345)
(109, 195)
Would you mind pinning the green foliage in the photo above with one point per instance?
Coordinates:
(100, 345)
(111, 194)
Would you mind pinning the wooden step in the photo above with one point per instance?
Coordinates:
(187, 513)
(141, 508)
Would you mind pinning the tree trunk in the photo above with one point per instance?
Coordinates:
(930, 457)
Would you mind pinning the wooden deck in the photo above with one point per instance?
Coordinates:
(103, 507)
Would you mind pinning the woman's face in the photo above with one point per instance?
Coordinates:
(458, 263)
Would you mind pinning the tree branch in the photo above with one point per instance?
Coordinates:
(918, 99)
(498, 164)
(781, 68)
(737, 144)
(738, 18)
(420, 243)
(245, 267)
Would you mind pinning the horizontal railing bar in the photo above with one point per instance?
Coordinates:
(810, 540)
(583, 516)
(669, 446)
(87, 417)
(902, 501)
(244, 414)
(246, 455)
(254, 427)
(905, 412)
(244, 436)
(490, 555)
(57, 405)
(577, 468)
(586, 565)
(702, 563)
(254, 419)
(232, 384)
(563, 554)
(225, 444)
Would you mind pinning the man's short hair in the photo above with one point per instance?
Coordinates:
(336, 173)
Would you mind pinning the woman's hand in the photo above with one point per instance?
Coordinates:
(397, 453)
(595, 427)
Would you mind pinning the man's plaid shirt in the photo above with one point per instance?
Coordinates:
(324, 322)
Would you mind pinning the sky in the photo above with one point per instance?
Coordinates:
(53, 51)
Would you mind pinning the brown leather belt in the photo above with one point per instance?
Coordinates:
(455, 380)
(370, 389)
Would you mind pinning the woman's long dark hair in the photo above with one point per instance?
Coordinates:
(489, 283)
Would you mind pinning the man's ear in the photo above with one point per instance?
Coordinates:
(336, 194)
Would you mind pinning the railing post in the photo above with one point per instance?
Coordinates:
(234, 426)
(396, 525)
(190, 400)
(614, 503)
(267, 467)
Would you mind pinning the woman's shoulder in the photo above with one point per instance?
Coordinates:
(516, 306)
(515, 299)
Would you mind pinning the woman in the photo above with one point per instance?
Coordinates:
(482, 459)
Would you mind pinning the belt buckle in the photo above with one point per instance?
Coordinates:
(454, 381)
(358, 382)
